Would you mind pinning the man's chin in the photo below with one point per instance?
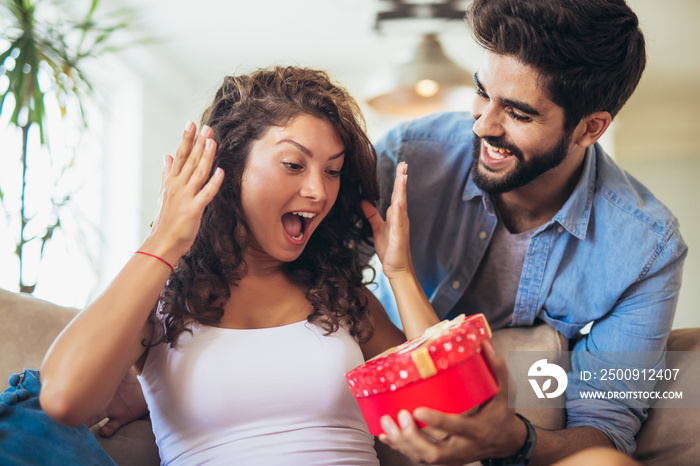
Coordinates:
(490, 182)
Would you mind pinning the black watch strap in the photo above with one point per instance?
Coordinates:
(523, 455)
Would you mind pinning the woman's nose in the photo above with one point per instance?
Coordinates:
(314, 187)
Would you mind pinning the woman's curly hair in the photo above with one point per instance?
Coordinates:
(330, 267)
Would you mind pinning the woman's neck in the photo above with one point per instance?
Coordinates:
(265, 297)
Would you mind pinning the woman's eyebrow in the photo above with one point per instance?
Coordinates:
(306, 151)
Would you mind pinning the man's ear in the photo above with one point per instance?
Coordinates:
(592, 127)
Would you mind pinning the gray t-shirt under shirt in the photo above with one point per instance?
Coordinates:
(495, 285)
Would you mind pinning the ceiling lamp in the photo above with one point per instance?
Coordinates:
(430, 80)
(423, 85)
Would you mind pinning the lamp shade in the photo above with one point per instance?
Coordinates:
(423, 85)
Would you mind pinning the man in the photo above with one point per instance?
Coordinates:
(517, 212)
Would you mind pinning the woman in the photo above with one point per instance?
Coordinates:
(244, 306)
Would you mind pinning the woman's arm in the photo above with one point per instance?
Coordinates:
(88, 360)
(391, 241)
(385, 334)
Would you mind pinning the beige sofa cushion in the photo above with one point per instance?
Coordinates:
(29, 326)
(671, 435)
(542, 337)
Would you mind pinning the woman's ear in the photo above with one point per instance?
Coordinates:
(592, 127)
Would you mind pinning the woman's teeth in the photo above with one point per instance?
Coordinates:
(495, 152)
(306, 215)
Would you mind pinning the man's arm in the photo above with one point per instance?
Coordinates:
(127, 405)
(492, 432)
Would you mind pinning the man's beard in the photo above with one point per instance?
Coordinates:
(523, 172)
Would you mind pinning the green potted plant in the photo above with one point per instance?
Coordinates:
(41, 69)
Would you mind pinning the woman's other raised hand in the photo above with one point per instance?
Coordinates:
(186, 189)
(391, 237)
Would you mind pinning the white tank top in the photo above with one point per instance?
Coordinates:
(273, 396)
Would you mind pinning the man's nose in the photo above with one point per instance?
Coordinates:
(487, 120)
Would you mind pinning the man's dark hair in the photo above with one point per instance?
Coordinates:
(590, 53)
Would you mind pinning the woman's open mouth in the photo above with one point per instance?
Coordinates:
(296, 224)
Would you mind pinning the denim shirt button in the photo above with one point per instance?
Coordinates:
(482, 235)
(456, 284)
(560, 229)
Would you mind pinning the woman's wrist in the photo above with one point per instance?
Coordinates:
(161, 249)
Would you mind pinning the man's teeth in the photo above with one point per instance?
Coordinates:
(496, 152)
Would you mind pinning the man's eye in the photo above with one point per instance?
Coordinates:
(517, 116)
(480, 92)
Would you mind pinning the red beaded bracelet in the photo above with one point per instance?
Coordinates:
(156, 257)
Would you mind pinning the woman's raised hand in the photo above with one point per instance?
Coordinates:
(392, 243)
(391, 237)
(185, 191)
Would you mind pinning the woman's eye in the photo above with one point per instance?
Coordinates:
(333, 173)
(292, 166)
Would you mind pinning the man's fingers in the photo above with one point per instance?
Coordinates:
(498, 366)
(110, 428)
(417, 444)
(455, 424)
(92, 420)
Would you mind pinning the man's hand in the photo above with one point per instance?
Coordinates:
(494, 431)
(128, 404)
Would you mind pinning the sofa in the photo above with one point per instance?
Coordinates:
(668, 436)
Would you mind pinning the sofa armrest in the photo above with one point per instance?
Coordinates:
(669, 435)
(29, 326)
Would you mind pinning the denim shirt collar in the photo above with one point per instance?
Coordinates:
(574, 214)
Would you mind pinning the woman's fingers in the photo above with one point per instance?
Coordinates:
(399, 191)
(201, 145)
(202, 166)
(167, 168)
(209, 190)
(193, 161)
(399, 211)
(183, 151)
(375, 220)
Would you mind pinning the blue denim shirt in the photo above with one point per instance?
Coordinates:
(612, 255)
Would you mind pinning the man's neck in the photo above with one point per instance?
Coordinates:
(536, 203)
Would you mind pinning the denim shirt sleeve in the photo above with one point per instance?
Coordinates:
(640, 321)
(623, 273)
